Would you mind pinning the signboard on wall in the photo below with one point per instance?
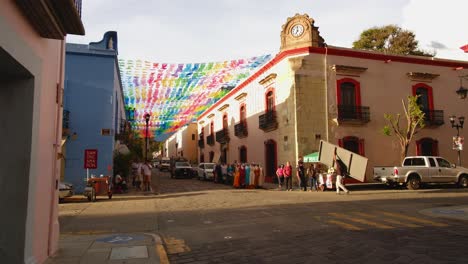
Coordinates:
(90, 158)
(458, 143)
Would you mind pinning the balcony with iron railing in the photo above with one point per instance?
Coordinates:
(268, 121)
(433, 118)
(351, 114)
(210, 140)
(240, 129)
(222, 136)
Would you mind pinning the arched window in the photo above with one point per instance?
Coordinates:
(202, 133)
(270, 100)
(211, 128)
(225, 121)
(243, 113)
(202, 157)
(425, 99)
(243, 154)
(353, 144)
(348, 92)
(427, 147)
(348, 98)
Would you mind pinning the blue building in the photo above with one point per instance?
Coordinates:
(93, 108)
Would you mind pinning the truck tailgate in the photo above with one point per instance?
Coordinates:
(380, 172)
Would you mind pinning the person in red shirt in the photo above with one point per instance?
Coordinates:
(287, 171)
(280, 175)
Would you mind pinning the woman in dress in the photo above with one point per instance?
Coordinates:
(236, 176)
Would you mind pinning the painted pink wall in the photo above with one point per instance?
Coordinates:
(42, 224)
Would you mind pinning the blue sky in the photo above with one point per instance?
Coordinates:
(181, 31)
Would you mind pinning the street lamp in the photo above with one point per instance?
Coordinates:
(462, 91)
(147, 118)
(461, 120)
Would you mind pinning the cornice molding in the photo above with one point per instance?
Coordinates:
(348, 70)
(210, 115)
(422, 76)
(223, 107)
(269, 79)
(241, 96)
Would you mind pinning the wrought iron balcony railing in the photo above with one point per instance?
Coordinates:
(268, 121)
(240, 129)
(222, 136)
(434, 117)
(353, 114)
(210, 140)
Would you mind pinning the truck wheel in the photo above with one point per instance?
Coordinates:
(414, 183)
(463, 182)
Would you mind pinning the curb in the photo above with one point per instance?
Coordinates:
(159, 248)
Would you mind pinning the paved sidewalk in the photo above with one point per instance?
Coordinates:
(105, 232)
(110, 248)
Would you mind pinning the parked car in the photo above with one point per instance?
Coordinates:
(422, 169)
(65, 190)
(205, 171)
(182, 169)
(156, 163)
(165, 164)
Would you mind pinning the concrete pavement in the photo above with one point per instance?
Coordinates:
(203, 222)
(118, 230)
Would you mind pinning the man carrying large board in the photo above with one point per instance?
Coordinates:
(356, 164)
(340, 171)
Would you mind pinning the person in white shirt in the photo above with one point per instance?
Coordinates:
(146, 167)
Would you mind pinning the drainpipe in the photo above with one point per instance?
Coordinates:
(325, 75)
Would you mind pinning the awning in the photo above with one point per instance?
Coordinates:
(312, 157)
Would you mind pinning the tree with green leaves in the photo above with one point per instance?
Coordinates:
(390, 39)
(414, 123)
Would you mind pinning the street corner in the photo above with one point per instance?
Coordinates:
(451, 212)
(159, 248)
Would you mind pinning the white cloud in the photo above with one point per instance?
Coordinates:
(177, 31)
(444, 22)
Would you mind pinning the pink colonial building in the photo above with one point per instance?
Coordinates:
(32, 52)
(311, 91)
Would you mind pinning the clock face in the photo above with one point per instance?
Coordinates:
(297, 30)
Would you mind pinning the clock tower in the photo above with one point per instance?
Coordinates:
(298, 32)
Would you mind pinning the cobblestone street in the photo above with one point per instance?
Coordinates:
(204, 222)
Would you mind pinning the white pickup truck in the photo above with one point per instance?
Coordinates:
(422, 169)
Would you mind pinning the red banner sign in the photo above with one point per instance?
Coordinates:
(90, 159)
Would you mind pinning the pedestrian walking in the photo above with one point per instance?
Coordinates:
(135, 167)
(339, 175)
(146, 167)
(300, 173)
(312, 172)
(280, 175)
(287, 171)
(139, 176)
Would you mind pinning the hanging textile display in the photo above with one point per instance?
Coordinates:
(176, 94)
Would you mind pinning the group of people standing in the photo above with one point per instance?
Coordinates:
(141, 175)
(313, 173)
(240, 175)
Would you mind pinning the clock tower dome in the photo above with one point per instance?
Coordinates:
(298, 32)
